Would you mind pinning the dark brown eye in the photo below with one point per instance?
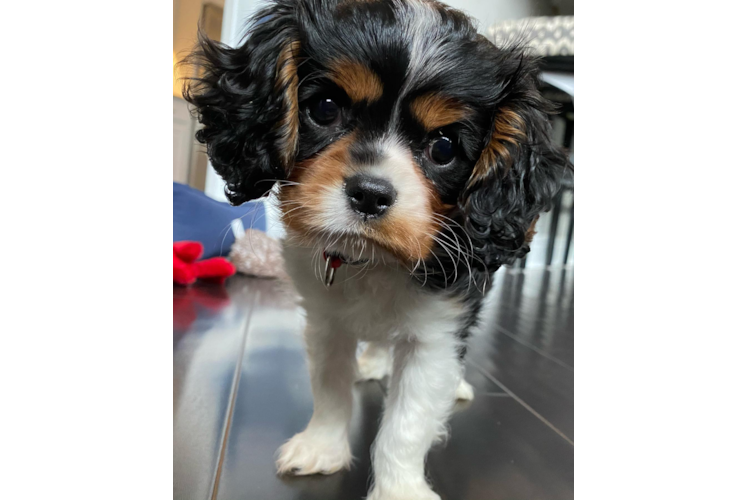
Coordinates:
(325, 112)
(441, 150)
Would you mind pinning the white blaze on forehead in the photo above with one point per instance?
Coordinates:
(425, 47)
(427, 55)
(398, 166)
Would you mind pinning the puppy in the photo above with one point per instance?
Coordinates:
(411, 158)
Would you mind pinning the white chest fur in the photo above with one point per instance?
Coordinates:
(384, 306)
(375, 303)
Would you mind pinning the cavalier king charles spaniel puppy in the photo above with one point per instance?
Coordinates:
(411, 158)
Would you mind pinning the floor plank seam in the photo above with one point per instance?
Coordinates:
(520, 401)
(232, 403)
(514, 337)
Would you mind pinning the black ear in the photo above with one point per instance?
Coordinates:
(517, 175)
(247, 100)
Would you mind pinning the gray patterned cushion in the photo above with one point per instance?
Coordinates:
(549, 36)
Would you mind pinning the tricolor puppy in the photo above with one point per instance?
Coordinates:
(412, 158)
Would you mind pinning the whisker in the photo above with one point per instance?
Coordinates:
(227, 227)
(449, 254)
(460, 252)
(444, 272)
(472, 256)
(362, 270)
(284, 182)
(447, 226)
(449, 219)
(425, 267)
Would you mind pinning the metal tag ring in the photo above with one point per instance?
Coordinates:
(329, 272)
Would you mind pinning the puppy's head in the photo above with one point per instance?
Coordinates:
(393, 127)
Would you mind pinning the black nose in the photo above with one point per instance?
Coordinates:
(370, 197)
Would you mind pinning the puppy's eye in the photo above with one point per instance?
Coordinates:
(441, 150)
(325, 112)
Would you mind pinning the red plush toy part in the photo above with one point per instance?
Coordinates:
(187, 269)
(189, 300)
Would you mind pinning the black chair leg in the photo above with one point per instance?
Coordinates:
(556, 211)
(568, 242)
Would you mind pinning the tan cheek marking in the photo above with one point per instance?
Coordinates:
(302, 204)
(404, 239)
(357, 80)
(410, 236)
(287, 82)
(509, 129)
(434, 110)
(531, 232)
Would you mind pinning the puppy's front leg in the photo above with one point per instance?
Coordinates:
(323, 446)
(421, 395)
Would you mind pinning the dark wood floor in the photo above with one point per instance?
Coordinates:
(241, 388)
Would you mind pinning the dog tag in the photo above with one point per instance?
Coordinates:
(331, 264)
(329, 272)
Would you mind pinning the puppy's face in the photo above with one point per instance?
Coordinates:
(396, 129)
(382, 155)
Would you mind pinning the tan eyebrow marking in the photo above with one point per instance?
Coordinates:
(435, 110)
(357, 80)
(288, 83)
(508, 130)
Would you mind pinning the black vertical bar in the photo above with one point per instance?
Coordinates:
(554, 226)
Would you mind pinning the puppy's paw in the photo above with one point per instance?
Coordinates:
(417, 491)
(464, 391)
(373, 367)
(306, 454)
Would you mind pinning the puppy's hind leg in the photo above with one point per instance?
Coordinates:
(464, 391)
(375, 362)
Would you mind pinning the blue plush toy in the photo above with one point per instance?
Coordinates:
(198, 217)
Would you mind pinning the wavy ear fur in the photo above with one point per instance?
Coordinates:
(247, 100)
(517, 175)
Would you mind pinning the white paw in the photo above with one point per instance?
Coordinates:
(373, 367)
(306, 454)
(464, 391)
(419, 491)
